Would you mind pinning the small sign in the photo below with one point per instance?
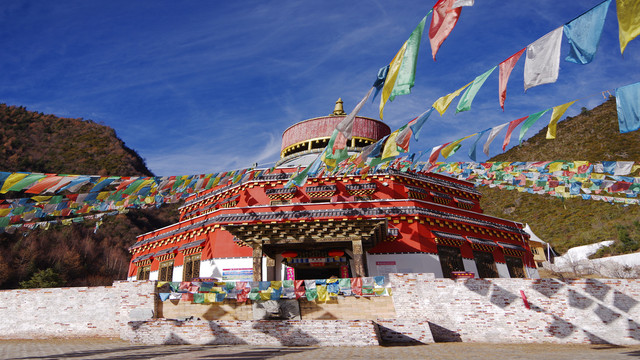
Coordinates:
(237, 274)
(386, 267)
(291, 273)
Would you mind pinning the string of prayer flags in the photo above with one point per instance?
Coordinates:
(628, 21)
(531, 119)
(628, 107)
(505, 71)
(467, 98)
(557, 113)
(407, 72)
(542, 62)
(584, 33)
(443, 21)
(442, 104)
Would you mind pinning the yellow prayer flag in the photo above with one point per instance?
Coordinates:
(209, 298)
(447, 150)
(323, 294)
(392, 75)
(41, 198)
(5, 212)
(441, 105)
(555, 166)
(12, 180)
(558, 111)
(390, 147)
(628, 21)
(103, 195)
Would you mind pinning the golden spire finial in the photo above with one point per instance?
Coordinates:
(339, 110)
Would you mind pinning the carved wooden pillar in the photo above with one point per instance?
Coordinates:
(271, 267)
(358, 258)
(257, 262)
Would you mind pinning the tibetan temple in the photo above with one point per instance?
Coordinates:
(344, 225)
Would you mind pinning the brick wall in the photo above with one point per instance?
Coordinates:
(493, 310)
(261, 332)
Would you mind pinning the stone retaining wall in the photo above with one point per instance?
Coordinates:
(261, 332)
(73, 312)
(494, 310)
(425, 308)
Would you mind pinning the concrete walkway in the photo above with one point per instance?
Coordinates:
(117, 349)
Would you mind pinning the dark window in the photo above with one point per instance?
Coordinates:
(515, 266)
(143, 272)
(166, 271)
(280, 202)
(450, 260)
(191, 267)
(485, 264)
(362, 197)
(320, 200)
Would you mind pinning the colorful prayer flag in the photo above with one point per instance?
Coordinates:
(407, 72)
(628, 21)
(443, 21)
(628, 106)
(512, 125)
(557, 113)
(467, 98)
(505, 71)
(442, 104)
(542, 62)
(531, 119)
(390, 81)
(492, 135)
(584, 33)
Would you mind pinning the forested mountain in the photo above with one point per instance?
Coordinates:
(78, 254)
(592, 136)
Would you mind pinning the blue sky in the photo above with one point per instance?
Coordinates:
(205, 86)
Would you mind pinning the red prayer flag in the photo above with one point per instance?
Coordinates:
(443, 21)
(505, 71)
(356, 286)
(512, 125)
(435, 153)
(299, 285)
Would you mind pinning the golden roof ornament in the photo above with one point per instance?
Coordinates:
(339, 110)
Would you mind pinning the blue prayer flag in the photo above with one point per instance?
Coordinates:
(628, 105)
(584, 33)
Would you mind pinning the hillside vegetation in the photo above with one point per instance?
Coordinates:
(71, 255)
(34, 142)
(593, 136)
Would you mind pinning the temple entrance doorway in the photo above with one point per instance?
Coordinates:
(310, 273)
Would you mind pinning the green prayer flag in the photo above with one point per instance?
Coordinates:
(467, 98)
(407, 73)
(529, 122)
(30, 179)
(198, 298)
(311, 294)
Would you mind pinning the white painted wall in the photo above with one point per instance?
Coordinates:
(177, 273)
(407, 263)
(153, 275)
(470, 266)
(503, 270)
(533, 273)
